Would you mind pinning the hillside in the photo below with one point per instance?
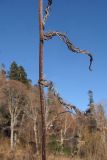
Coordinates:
(69, 131)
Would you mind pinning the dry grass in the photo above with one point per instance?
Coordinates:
(24, 153)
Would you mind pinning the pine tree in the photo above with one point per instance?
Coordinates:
(18, 73)
(91, 109)
(22, 75)
(91, 100)
(13, 73)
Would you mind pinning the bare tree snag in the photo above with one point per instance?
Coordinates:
(44, 83)
(41, 87)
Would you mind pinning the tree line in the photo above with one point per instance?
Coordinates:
(66, 133)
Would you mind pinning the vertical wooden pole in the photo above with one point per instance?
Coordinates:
(42, 99)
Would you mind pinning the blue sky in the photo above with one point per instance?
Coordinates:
(84, 21)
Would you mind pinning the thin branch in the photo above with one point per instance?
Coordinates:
(58, 115)
(68, 111)
(65, 39)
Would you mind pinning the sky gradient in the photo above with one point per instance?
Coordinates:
(84, 21)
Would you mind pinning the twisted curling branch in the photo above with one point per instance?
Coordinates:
(51, 87)
(71, 47)
(47, 10)
(69, 107)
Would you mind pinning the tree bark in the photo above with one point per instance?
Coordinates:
(12, 134)
(41, 87)
(36, 138)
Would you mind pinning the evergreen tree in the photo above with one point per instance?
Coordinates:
(22, 75)
(13, 73)
(91, 100)
(18, 73)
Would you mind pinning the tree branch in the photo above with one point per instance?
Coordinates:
(71, 47)
(47, 10)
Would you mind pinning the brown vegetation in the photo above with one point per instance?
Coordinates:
(68, 136)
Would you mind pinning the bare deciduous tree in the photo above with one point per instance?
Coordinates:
(31, 110)
(16, 99)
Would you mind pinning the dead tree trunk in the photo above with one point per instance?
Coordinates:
(41, 87)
